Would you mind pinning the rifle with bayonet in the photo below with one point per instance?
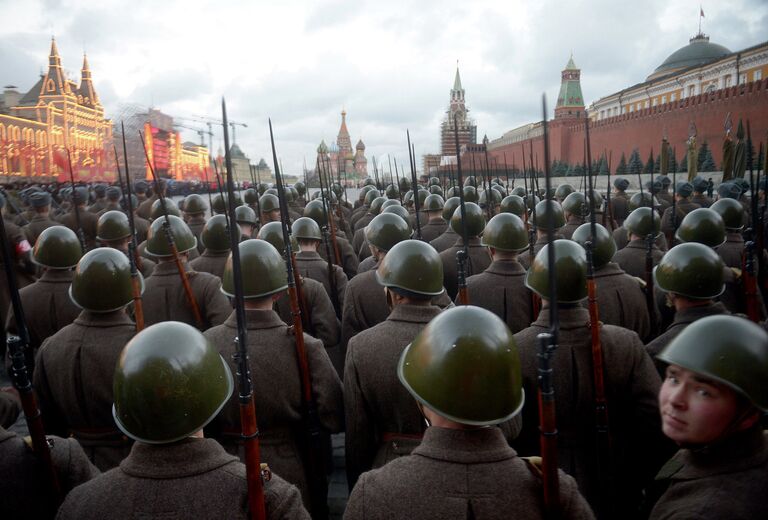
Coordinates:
(602, 432)
(547, 346)
(650, 239)
(506, 176)
(172, 243)
(80, 234)
(749, 275)
(248, 426)
(488, 194)
(316, 480)
(331, 271)
(133, 256)
(415, 188)
(462, 256)
(18, 348)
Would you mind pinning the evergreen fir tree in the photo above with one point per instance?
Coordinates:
(657, 164)
(649, 163)
(621, 169)
(709, 163)
(702, 156)
(672, 161)
(635, 165)
(683, 163)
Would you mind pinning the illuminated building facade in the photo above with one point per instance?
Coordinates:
(55, 115)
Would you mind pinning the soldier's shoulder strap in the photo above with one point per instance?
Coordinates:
(640, 281)
(534, 465)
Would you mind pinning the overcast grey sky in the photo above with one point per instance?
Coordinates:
(389, 63)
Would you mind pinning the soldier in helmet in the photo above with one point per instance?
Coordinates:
(47, 307)
(372, 262)
(683, 204)
(88, 220)
(575, 210)
(157, 210)
(639, 224)
(22, 263)
(733, 217)
(348, 260)
(246, 219)
(621, 235)
(539, 220)
(478, 258)
(435, 224)
(40, 202)
(700, 186)
(114, 230)
(100, 201)
(251, 199)
(145, 207)
(311, 265)
(74, 367)
(140, 225)
(562, 192)
(449, 236)
(140, 190)
(691, 276)
(711, 402)
(165, 298)
(383, 422)
(215, 240)
(358, 239)
(169, 383)
(194, 215)
(631, 387)
(301, 190)
(367, 194)
(620, 200)
(620, 297)
(111, 200)
(662, 184)
(463, 467)
(274, 366)
(500, 287)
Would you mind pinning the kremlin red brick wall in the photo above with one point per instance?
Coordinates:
(645, 128)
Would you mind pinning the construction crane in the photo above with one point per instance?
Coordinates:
(212, 121)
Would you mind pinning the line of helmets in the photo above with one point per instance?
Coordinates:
(692, 268)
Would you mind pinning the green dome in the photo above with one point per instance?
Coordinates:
(699, 51)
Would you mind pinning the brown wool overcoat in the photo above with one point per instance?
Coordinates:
(501, 290)
(37, 225)
(349, 261)
(311, 265)
(459, 474)
(89, 221)
(631, 385)
(478, 261)
(444, 241)
(432, 229)
(73, 382)
(210, 262)
(164, 298)
(193, 478)
(277, 391)
(631, 259)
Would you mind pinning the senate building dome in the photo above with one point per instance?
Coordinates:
(699, 51)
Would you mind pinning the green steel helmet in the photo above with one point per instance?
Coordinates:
(494, 195)
(294, 193)
(269, 202)
(408, 198)
(563, 191)
(470, 194)
(434, 181)
(399, 211)
(727, 349)
(157, 242)
(519, 191)
(330, 197)
(390, 202)
(102, 281)
(215, 234)
(300, 188)
(364, 191)
(452, 192)
(434, 203)
(531, 201)
(386, 230)
(436, 190)
(412, 266)
(271, 191)
(57, 247)
(506, 232)
(692, 270)
(643, 222)
(423, 194)
(194, 203)
(113, 225)
(288, 194)
(262, 187)
(314, 210)
(465, 366)
(513, 204)
(157, 209)
(542, 215)
(272, 232)
(368, 182)
(375, 208)
(732, 213)
(449, 207)
(603, 245)
(263, 269)
(391, 192)
(306, 229)
(470, 181)
(702, 225)
(245, 215)
(570, 272)
(575, 204)
(170, 381)
(251, 196)
(405, 184)
(642, 200)
(499, 189)
(372, 195)
(475, 219)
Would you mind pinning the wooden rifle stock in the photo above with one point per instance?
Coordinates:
(548, 427)
(172, 245)
(461, 260)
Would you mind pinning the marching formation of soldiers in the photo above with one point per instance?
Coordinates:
(416, 321)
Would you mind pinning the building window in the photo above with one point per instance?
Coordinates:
(646, 104)
(711, 88)
(631, 108)
(742, 78)
(691, 90)
(757, 75)
(51, 86)
(655, 101)
(728, 81)
(672, 97)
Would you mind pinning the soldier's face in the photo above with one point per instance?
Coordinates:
(695, 409)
